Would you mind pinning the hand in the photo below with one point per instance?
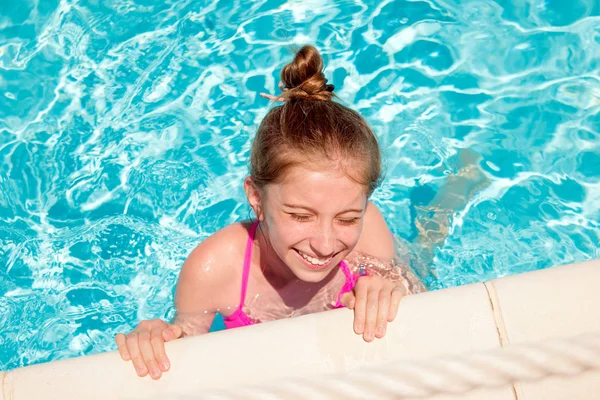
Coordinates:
(275, 98)
(145, 346)
(375, 302)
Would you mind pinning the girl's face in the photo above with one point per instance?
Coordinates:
(312, 220)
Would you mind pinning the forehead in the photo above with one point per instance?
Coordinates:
(327, 191)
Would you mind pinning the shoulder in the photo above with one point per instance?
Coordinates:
(222, 246)
(209, 276)
(376, 239)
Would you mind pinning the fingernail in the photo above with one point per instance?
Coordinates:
(154, 372)
(141, 370)
(369, 335)
(380, 330)
(358, 329)
(165, 365)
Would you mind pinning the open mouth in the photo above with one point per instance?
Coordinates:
(315, 263)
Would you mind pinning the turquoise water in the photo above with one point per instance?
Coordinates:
(125, 128)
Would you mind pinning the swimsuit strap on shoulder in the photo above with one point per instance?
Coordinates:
(247, 262)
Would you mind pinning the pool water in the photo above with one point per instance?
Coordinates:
(125, 129)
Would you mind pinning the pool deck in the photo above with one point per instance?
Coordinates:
(552, 303)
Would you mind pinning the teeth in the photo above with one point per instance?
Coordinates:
(314, 261)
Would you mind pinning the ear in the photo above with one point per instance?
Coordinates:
(254, 195)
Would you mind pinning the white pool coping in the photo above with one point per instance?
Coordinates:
(556, 302)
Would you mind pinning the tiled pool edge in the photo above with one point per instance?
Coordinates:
(552, 303)
(448, 321)
(501, 328)
(3, 391)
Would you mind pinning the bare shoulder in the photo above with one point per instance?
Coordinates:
(209, 278)
(376, 239)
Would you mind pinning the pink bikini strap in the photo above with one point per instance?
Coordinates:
(348, 286)
(346, 270)
(247, 262)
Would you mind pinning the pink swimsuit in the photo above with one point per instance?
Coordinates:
(239, 318)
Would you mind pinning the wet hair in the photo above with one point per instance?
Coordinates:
(312, 130)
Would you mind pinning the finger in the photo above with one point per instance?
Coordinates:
(348, 300)
(173, 332)
(122, 345)
(158, 346)
(136, 356)
(398, 294)
(360, 304)
(148, 354)
(371, 314)
(383, 311)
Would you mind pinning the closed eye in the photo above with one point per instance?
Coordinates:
(349, 221)
(300, 217)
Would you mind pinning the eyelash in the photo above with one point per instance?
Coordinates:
(305, 218)
(301, 218)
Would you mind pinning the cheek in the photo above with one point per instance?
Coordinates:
(351, 236)
(284, 234)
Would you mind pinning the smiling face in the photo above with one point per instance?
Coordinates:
(312, 220)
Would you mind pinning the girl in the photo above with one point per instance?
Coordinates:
(317, 242)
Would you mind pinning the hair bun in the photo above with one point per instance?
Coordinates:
(303, 77)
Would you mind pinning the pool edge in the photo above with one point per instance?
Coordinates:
(458, 320)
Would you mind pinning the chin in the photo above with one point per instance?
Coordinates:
(312, 276)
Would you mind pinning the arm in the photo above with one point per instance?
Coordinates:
(376, 250)
(376, 296)
(210, 280)
(376, 239)
(201, 289)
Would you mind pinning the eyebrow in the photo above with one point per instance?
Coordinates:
(357, 210)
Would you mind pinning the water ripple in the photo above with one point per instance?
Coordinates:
(125, 130)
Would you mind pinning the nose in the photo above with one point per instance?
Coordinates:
(323, 242)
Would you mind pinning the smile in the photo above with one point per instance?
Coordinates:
(316, 263)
